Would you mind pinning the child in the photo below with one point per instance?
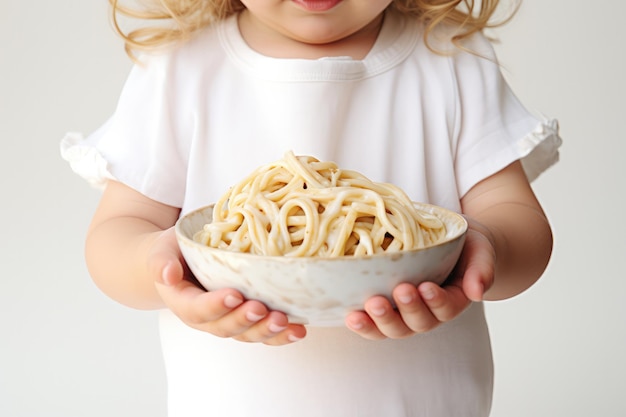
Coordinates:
(403, 91)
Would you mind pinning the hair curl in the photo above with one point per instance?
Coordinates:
(165, 22)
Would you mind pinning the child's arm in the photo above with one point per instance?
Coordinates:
(133, 257)
(508, 246)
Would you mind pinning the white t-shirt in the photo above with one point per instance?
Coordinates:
(194, 121)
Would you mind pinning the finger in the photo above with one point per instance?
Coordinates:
(264, 329)
(196, 306)
(415, 313)
(224, 313)
(445, 303)
(478, 276)
(293, 334)
(274, 329)
(388, 320)
(476, 282)
(477, 270)
(362, 324)
(165, 260)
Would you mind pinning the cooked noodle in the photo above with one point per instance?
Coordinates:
(299, 206)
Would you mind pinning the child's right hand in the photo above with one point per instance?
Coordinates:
(225, 312)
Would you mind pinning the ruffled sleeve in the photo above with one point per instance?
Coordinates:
(540, 148)
(85, 159)
(145, 142)
(493, 128)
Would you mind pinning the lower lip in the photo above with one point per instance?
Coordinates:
(317, 5)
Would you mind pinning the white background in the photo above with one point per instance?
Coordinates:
(66, 350)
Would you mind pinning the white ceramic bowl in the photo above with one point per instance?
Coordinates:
(318, 291)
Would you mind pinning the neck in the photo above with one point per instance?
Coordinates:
(274, 44)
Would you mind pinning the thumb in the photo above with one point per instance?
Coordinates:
(164, 259)
(479, 262)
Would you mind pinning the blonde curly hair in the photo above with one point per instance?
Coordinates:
(165, 22)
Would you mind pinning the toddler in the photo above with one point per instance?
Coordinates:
(404, 91)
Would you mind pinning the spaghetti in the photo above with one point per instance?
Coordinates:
(300, 206)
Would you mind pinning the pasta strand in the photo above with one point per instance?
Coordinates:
(302, 207)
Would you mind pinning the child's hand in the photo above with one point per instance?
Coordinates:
(423, 308)
(223, 313)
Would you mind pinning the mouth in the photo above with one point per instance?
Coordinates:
(317, 5)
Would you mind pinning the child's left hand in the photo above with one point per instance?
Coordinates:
(423, 308)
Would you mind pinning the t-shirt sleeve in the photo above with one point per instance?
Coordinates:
(493, 128)
(143, 144)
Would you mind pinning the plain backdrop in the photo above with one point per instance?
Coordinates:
(66, 350)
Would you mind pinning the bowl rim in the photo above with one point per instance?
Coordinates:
(429, 208)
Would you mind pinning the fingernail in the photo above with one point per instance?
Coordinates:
(378, 311)
(231, 301)
(275, 328)
(165, 274)
(357, 325)
(293, 338)
(428, 294)
(253, 317)
(481, 290)
(406, 298)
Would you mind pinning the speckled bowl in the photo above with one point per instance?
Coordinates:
(318, 291)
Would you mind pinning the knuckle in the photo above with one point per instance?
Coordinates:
(223, 334)
(423, 326)
(445, 315)
(195, 318)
